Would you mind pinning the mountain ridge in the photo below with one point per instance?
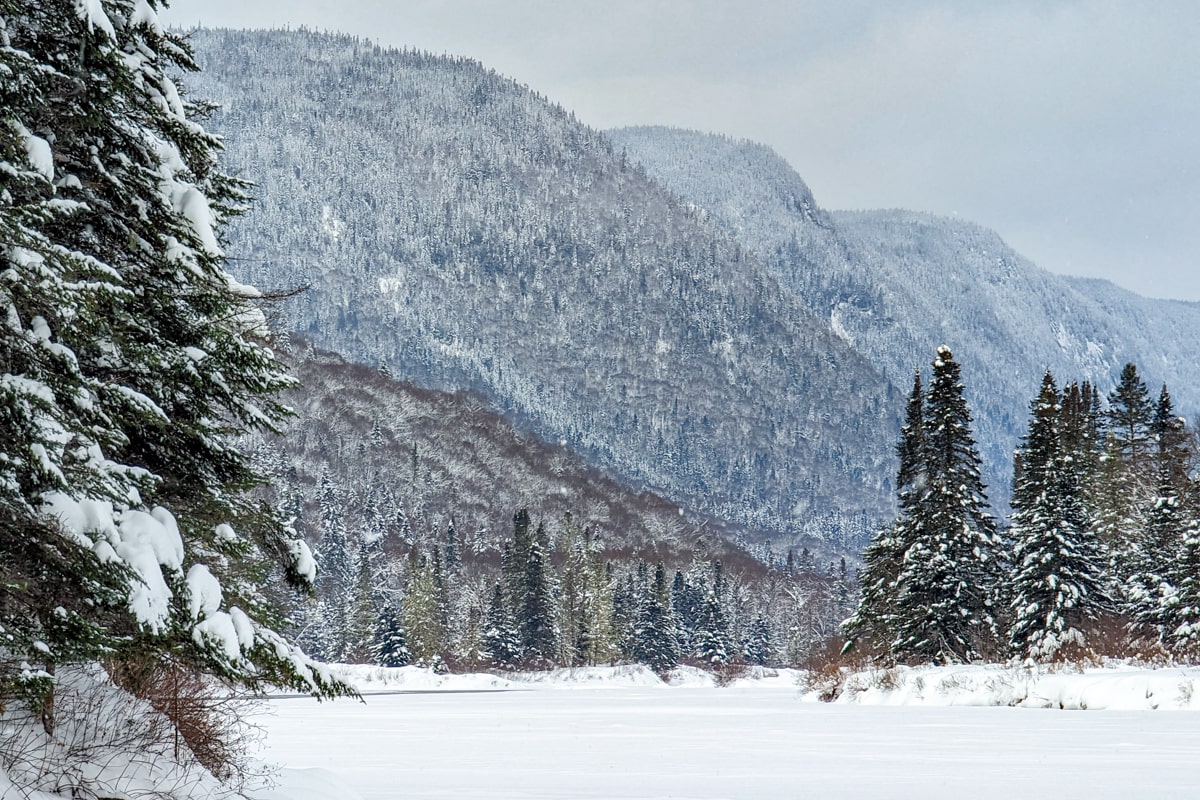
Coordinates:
(469, 235)
(897, 283)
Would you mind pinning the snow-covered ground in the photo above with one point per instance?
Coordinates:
(620, 733)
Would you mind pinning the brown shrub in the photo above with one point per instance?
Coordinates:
(212, 722)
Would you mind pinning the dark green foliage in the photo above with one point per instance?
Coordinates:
(626, 611)
(1129, 418)
(1124, 487)
(687, 604)
(536, 619)
(1174, 448)
(390, 645)
(950, 575)
(872, 627)
(501, 640)
(759, 649)
(422, 611)
(1059, 584)
(530, 589)
(1180, 616)
(656, 643)
(129, 358)
(711, 645)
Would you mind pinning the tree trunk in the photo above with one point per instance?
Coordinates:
(47, 711)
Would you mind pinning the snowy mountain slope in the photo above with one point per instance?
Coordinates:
(470, 235)
(896, 284)
(402, 462)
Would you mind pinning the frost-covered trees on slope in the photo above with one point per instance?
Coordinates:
(473, 236)
(128, 357)
(894, 283)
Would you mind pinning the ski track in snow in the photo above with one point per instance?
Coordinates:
(754, 740)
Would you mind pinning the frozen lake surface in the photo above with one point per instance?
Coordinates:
(744, 742)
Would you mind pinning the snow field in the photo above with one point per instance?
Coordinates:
(611, 736)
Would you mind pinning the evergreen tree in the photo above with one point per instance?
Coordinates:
(514, 557)
(840, 601)
(390, 643)
(130, 360)
(1129, 419)
(453, 548)
(573, 621)
(1125, 485)
(501, 639)
(337, 582)
(598, 635)
(362, 616)
(1154, 584)
(1079, 425)
(539, 637)
(1180, 615)
(950, 575)
(421, 612)
(1059, 582)
(687, 602)
(712, 641)
(759, 650)
(1151, 587)
(441, 591)
(657, 646)
(626, 612)
(872, 624)
(1174, 448)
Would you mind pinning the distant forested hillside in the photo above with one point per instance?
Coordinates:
(468, 234)
(896, 284)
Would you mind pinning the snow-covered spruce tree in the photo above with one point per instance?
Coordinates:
(1125, 485)
(531, 590)
(600, 641)
(656, 643)
(390, 643)
(1180, 615)
(1153, 582)
(950, 575)
(759, 649)
(501, 639)
(1079, 426)
(872, 627)
(1174, 448)
(128, 360)
(364, 607)
(536, 617)
(711, 645)
(585, 600)
(420, 612)
(1059, 583)
(687, 601)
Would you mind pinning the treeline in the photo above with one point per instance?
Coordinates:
(1101, 555)
(551, 597)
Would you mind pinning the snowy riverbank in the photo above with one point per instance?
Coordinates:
(620, 732)
(1117, 687)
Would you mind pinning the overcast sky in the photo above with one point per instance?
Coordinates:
(1072, 128)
